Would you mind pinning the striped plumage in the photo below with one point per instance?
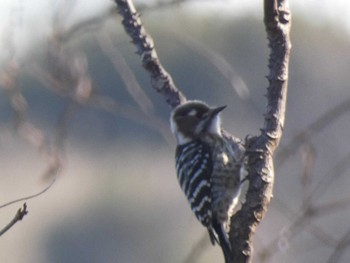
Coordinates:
(206, 166)
(194, 167)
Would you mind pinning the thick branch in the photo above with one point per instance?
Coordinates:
(260, 149)
(160, 79)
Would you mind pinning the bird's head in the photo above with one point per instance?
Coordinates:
(193, 119)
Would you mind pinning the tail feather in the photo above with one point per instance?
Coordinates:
(213, 237)
(222, 238)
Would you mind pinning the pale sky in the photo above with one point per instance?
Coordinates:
(28, 21)
(317, 9)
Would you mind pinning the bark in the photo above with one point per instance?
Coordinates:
(260, 149)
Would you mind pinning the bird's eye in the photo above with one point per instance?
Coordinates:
(195, 113)
(199, 115)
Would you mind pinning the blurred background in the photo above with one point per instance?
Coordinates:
(77, 113)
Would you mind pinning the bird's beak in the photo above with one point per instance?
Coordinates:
(215, 111)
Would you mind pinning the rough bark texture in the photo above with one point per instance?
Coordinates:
(260, 149)
(160, 79)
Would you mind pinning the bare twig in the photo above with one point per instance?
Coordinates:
(123, 109)
(302, 220)
(82, 26)
(331, 176)
(25, 128)
(29, 196)
(306, 178)
(22, 212)
(317, 126)
(33, 135)
(133, 87)
(308, 210)
(103, 102)
(161, 4)
(339, 249)
(219, 62)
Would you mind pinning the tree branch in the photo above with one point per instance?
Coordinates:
(260, 149)
(160, 79)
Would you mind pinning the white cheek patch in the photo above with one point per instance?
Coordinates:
(173, 125)
(181, 139)
(192, 113)
(224, 158)
(215, 126)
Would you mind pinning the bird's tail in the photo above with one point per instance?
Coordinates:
(222, 238)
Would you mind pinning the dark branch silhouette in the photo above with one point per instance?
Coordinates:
(160, 79)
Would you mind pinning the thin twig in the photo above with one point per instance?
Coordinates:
(317, 126)
(29, 196)
(331, 176)
(339, 249)
(19, 216)
(306, 178)
(218, 61)
(132, 85)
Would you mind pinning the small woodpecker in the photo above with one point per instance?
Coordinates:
(207, 167)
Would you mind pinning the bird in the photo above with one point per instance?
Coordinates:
(208, 168)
